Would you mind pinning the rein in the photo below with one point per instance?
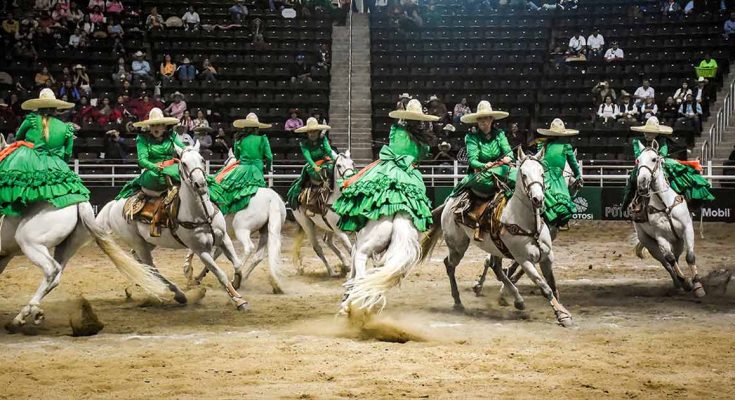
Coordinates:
(190, 225)
(679, 199)
(517, 230)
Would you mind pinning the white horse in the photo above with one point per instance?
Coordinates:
(669, 230)
(43, 227)
(343, 168)
(524, 233)
(265, 214)
(200, 225)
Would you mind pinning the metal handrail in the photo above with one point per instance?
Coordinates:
(722, 119)
(349, 86)
(705, 148)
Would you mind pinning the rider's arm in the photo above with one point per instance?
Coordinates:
(572, 160)
(505, 149)
(68, 142)
(24, 127)
(473, 152)
(267, 153)
(327, 148)
(143, 155)
(307, 154)
(236, 149)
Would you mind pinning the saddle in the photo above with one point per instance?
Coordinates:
(483, 215)
(638, 209)
(157, 211)
(314, 198)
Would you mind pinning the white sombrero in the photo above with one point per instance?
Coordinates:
(251, 121)
(413, 112)
(450, 128)
(156, 117)
(46, 99)
(312, 125)
(653, 126)
(557, 128)
(484, 109)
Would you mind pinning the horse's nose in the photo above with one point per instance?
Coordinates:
(537, 201)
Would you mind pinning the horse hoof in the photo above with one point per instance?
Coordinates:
(698, 290)
(128, 293)
(519, 305)
(236, 281)
(566, 321)
(458, 308)
(503, 302)
(477, 289)
(687, 285)
(277, 290)
(180, 297)
(244, 306)
(37, 316)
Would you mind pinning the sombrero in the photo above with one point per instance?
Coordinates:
(404, 96)
(46, 99)
(653, 126)
(250, 121)
(312, 125)
(557, 128)
(155, 117)
(484, 109)
(203, 129)
(413, 112)
(450, 128)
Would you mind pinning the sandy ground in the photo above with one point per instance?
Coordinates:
(635, 336)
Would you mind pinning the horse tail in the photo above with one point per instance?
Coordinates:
(276, 218)
(140, 274)
(403, 253)
(640, 250)
(431, 238)
(103, 217)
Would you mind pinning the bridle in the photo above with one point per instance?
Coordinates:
(528, 185)
(186, 174)
(654, 174)
(648, 193)
(343, 172)
(515, 229)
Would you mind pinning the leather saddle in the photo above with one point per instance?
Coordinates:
(314, 197)
(157, 210)
(483, 215)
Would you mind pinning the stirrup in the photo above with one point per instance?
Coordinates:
(478, 234)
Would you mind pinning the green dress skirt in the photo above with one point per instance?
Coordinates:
(238, 184)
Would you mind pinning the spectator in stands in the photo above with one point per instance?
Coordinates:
(259, 43)
(186, 123)
(75, 15)
(97, 17)
(201, 120)
(614, 53)
(671, 8)
(115, 32)
(577, 44)
(69, 92)
(140, 68)
(209, 73)
(186, 71)
(602, 90)
(558, 57)
(300, 71)
(220, 146)
(40, 5)
(120, 72)
(628, 110)
(154, 21)
(437, 107)
(191, 19)
(460, 109)
(729, 27)
(649, 109)
(701, 95)
(411, 18)
(115, 149)
(294, 122)
(709, 64)
(669, 111)
(517, 138)
(96, 3)
(167, 68)
(643, 92)
(681, 93)
(108, 113)
(607, 111)
(238, 12)
(115, 7)
(325, 58)
(81, 79)
(595, 44)
(403, 100)
(60, 14)
(177, 107)
(10, 25)
(44, 76)
(66, 74)
(24, 49)
(201, 135)
(690, 113)
(75, 39)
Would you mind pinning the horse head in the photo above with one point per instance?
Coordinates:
(648, 165)
(530, 178)
(344, 167)
(192, 169)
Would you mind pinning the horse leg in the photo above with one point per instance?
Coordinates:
(209, 262)
(342, 258)
(547, 270)
(257, 258)
(296, 258)
(189, 270)
(243, 235)
(481, 279)
(514, 273)
(697, 287)
(40, 256)
(669, 259)
(457, 248)
(563, 316)
(496, 263)
(374, 238)
(4, 260)
(310, 230)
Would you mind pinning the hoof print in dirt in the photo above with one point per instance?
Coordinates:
(83, 320)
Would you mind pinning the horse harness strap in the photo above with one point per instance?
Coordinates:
(667, 211)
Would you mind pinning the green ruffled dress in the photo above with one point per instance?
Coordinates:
(482, 149)
(559, 207)
(315, 152)
(239, 183)
(152, 151)
(684, 179)
(391, 186)
(41, 173)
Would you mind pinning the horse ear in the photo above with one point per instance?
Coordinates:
(197, 145)
(347, 154)
(521, 154)
(540, 154)
(639, 145)
(179, 150)
(654, 145)
(230, 154)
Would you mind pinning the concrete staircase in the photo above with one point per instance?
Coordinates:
(724, 148)
(361, 125)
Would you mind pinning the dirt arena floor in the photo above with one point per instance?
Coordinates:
(635, 336)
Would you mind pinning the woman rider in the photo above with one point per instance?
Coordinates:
(488, 154)
(684, 179)
(558, 204)
(242, 179)
(319, 159)
(34, 168)
(156, 155)
(391, 184)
